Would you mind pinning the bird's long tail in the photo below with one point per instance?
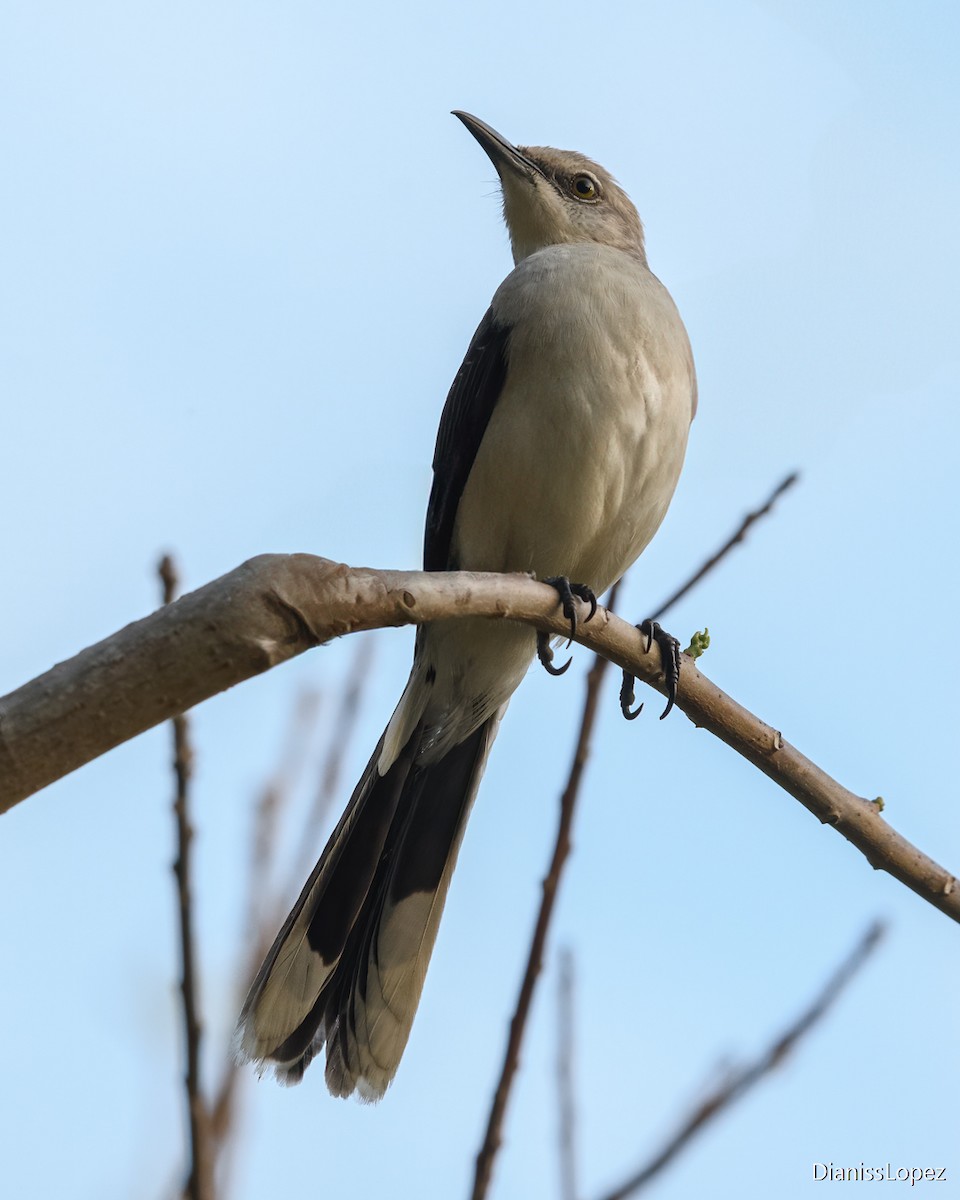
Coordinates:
(348, 966)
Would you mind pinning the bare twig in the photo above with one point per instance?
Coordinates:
(199, 1183)
(728, 545)
(493, 1136)
(741, 1081)
(262, 913)
(277, 606)
(561, 850)
(273, 799)
(344, 726)
(566, 1089)
(265, 909)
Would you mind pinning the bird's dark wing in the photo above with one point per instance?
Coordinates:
(470, 403)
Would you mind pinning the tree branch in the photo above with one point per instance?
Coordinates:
(750, 519)
(343, 726)
(743, 1080)
(199, 1183)
(551, 883)
(493, 1136)
(276, 606)
(566, 1087)
(264, 914)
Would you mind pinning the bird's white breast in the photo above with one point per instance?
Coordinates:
(584, 448)
(575, 470)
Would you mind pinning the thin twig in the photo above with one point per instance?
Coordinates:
(344, 726)
(566, 1088)
(493, 1137)
(273, 800)
(262, 914)
(561, 849)
(199, 1182)
(741, 1081)
(728, 545)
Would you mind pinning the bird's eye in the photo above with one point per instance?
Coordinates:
(584, 187)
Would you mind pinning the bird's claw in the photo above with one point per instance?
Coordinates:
(670, 661)
(567, 591)
(545, 654)
(669, 658)
(627, 698)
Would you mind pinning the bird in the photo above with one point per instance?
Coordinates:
(558, 452)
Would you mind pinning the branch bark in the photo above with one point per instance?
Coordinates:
(274, 607)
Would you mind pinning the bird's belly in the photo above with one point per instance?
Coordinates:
(572, 484)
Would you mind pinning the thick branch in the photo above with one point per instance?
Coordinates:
(268, 610)
(276, 606)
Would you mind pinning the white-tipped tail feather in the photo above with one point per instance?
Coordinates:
(347, 968)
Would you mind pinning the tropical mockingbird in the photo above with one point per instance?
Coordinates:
(559, 449)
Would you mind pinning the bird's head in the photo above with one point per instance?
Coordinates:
(552, 197)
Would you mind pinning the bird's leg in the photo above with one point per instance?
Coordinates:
(566, 591)
(670, 661)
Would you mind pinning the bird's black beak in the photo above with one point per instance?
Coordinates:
(503, 154)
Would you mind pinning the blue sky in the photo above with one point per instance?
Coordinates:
(245, 247)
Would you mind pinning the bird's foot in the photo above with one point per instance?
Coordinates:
(670, 661)
(545, 654)
(567, 592)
